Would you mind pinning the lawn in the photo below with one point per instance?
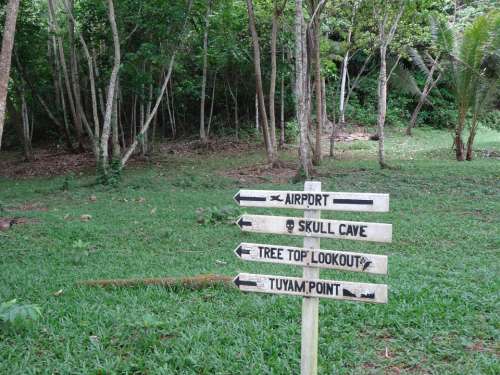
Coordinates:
(442, 316)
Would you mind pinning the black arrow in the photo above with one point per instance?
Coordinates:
(240, 250)
(238, 198)
(239, 282)
(242, 223)
(367, 264)
(368, 295)
(353, 201)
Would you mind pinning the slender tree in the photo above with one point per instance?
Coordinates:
(386, 32)
(301, 82)
(5, 57)
(203, 132)
(271, 148)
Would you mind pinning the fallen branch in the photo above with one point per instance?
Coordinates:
(193, 282)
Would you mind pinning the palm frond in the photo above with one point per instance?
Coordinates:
(418, 60)
(442, 35)
(404, 81)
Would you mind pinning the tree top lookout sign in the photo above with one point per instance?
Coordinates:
(312, 200)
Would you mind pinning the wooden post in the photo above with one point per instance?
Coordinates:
(310, 305)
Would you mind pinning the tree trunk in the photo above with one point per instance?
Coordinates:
(272, 84)
(172, 125)
(470, 141)
(115, 127)
(430, 83)
(234, 96)
(212, 100)
(106, 127)
(271, 152)
(382, 106)
(300, 86)
(28, 149)
(5, 57)
(59, 92)
(385, 38)
(257, 125)
(133, 124)
(75, 80)
(319, 91)
(64, 67)
(93, 134)
(343, 85)
(99, 89)
(203, 133)
(459, 144)
(334, 126)
(236, 117)
(343, 100)
(282, 112)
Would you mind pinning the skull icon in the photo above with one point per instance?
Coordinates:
(289, 225)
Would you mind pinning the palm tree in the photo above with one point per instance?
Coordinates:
(473, 66)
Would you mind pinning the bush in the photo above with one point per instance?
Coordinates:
(292, 131)
(214, 215)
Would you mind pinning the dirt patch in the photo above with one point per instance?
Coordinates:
(347, 134)
(351, 137)
(37, 206)
(8, 222)
(192, 147)
(49, 162)
(52, 161)
(487, 154)
(263, 173)
(481, 347)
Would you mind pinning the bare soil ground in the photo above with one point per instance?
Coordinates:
(263, 173)
(53, 162)
(49, 162)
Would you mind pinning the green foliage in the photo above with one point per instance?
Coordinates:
(215, 215)
(18, 315)
(292, 131)
(491, 120)
(68, 182)
(110, 175)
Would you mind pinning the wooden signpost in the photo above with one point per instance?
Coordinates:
(298, 256)
(296, 226)
(304, 200)
(310, 256)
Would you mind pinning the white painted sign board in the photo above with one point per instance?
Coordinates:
(308, 200)
(298, 226)
(341, 290)
(312, 200)
(298, 256)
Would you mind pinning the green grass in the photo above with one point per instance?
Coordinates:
(442, 315)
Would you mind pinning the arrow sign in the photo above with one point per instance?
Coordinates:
(298, 226)
(241, 251)
(240, 282)
(242, 223)
(341, 290)
(297, 256)
(303, 200)
(239, 198)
